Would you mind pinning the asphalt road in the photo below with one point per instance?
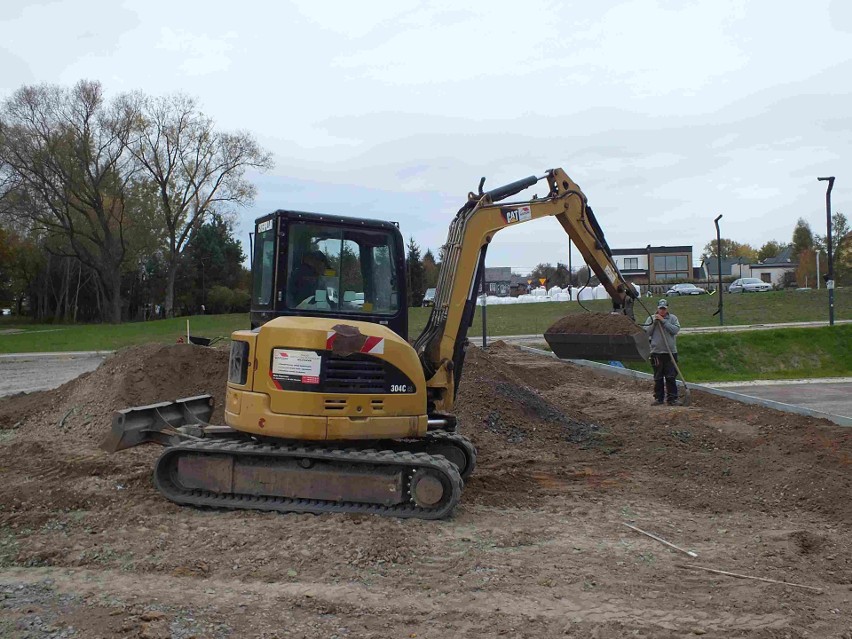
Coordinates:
(42, 371)
(827, 397)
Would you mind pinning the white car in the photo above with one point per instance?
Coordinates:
(749, 285)
(685, 289)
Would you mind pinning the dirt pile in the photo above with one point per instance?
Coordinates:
(537, 547)
(133, 376)
(595, 324)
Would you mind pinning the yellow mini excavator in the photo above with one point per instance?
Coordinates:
(329, 408)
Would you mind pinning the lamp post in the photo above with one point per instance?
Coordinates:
(648, 257)
(719, 267)
(829, 277)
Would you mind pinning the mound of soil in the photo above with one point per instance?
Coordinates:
(135, 376)
(595, 324)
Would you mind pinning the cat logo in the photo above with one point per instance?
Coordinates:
(517, 214)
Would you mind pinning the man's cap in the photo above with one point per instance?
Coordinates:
(662, 304)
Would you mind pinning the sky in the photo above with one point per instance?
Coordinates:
(665, 113)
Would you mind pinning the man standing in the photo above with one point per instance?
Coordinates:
(662, 329)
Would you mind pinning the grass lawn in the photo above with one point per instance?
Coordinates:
(518, 319)
(107, 337)
(750, 308)
(787, 353)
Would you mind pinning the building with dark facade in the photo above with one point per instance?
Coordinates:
(655, 264)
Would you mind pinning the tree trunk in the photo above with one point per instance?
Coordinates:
(113, 291)
(171, 275)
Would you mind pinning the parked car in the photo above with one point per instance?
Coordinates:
(749, 285)
(686, 289)
(429, 297)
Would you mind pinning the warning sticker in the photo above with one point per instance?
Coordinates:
(296, 366)
(610, 273)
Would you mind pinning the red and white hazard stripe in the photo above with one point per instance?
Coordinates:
(372, 345)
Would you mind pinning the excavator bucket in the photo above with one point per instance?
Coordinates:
(601, 336)
(608, 347)
(158, 423)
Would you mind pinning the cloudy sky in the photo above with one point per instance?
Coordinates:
(666, 113)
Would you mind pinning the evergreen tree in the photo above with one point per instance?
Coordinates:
(430, 269)
(416, 275)
(803, 237)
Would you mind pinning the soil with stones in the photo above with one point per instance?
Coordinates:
(536, 548)
(595, 324)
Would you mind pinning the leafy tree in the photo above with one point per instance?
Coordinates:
(416, 274)
(555, 275)
(803, 237)
(7, 261)
(806, 274)
(197, 170)
(841, 245)
(65, 171)
(770, 249)
(730, 249)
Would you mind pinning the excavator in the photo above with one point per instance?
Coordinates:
(329, 407)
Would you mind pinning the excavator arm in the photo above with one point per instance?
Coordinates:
(442, 343)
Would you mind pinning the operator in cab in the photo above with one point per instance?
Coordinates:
(305, 278)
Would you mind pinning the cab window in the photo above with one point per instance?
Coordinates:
(264, 262)
(341, 270)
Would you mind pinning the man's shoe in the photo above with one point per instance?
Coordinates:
(674, 402)
(657, 402)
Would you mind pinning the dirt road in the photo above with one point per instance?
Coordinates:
(537, 547)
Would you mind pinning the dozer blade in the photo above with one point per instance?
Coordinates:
(609, 347)
(157, 423)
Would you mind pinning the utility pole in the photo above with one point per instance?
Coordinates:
(829, 277)
(719, 267)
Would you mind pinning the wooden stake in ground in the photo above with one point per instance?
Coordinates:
(739, 576)
(662, 541)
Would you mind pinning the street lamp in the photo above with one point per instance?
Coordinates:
(829, 277)
(648, 257)
(719, 267)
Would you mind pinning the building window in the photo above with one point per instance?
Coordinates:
(670, 263)
(766, 277)
(668, 268)
(631, 263)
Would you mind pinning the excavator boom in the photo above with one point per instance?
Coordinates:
(441, 344)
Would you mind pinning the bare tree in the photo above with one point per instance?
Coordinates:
(197, 170)
(65, 170)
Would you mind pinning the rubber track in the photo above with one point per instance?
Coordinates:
(460, 441)
(408, 460)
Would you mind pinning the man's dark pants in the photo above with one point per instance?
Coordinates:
(664, 369)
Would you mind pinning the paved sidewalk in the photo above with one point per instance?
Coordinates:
(28, 372)
(827, 396)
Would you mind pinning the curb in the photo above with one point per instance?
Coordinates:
(612, 371)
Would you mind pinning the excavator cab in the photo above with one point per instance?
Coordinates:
(312, 265)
